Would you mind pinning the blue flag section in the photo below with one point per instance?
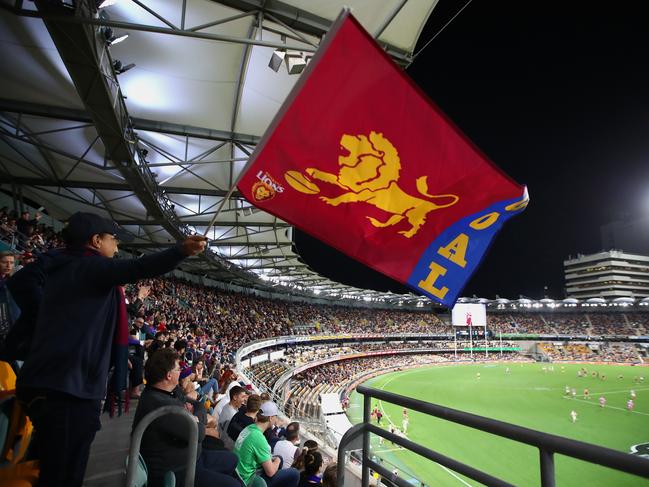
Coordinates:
(450, 260)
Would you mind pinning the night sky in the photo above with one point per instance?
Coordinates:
(559, 99)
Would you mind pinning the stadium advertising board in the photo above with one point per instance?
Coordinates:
(469, 314)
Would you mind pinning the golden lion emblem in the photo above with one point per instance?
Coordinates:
(370, 173)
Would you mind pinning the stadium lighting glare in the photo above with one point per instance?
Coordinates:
(106, 3)
(111, 38)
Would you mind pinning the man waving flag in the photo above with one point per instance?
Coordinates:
(359, 157)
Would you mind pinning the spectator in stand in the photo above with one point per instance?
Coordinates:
(312, 469)
(82, 316)
(309, 447)
(135, 363)
(233, 382)
(137, 306)
(238, 397)
(24, 259)
(330, 476)
(7, 265)
(26, 227)
(254, 452)
(208, 386)
(288, 447)
(9, 311)
(244, 418)
(166, 440)
(158, 342)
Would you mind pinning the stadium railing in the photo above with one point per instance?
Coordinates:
(547, 444)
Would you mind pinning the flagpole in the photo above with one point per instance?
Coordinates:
(455, 340)
(501, 344)
(486, 343)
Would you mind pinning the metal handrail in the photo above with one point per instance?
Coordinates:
(136, 440)
(547, 444)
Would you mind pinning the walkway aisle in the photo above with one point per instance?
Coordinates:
(108, 453)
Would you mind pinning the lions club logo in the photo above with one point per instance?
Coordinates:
(369, 173)
(266, 187)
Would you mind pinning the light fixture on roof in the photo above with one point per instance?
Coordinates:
(120, 68)
(276, 59)
(295, 62)
(111, 38)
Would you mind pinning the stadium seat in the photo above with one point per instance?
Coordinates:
(7, 377)
(141, 477)
(23, 474)
(255, 481)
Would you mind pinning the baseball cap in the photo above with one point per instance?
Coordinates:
(268, 409)
(81, 226)
(186, 372)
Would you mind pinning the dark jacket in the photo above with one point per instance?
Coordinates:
(238, 423)
(73, 334)
(165, 442)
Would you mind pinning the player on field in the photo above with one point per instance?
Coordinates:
(630, 405)
(478, 376)
(567, 390)
(573, 392)
(632, 394)
(586, 394)
(602, 401)
(573, 416)
(507, 370)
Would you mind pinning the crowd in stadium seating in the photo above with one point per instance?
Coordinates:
(614, 324)
(29, 233)
(604, 352)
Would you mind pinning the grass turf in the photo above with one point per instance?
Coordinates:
(525, 396)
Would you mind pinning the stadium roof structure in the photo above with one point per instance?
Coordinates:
(153, 130)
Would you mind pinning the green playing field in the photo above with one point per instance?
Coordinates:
(525, 395)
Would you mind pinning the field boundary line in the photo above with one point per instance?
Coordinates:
(595, 403)
(616, 392)
(390, 421)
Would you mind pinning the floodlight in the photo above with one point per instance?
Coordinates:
(120, 68)
(276, 59)
(295, 62)
(111, 38)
